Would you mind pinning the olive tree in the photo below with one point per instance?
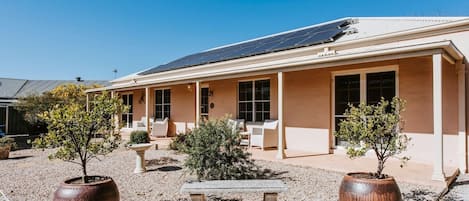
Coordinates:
(80, 135)
(375, 127)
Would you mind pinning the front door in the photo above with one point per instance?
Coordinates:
(367, 87)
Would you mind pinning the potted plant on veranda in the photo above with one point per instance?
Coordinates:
(79, 136)
(377, 128)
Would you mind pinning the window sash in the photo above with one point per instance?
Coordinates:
(250, 94)
(162, 103)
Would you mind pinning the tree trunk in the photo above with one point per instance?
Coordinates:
(85, 175)
(380, 169)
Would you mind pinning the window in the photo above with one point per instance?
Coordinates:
(254, 100)
(380, 85)
(350, 90)
(127, 117)
(204, 103)
(162, 103)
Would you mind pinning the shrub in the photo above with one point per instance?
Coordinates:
(5, 141)
(376, 127)
(139, 137)
(179, 143)
(214, 153)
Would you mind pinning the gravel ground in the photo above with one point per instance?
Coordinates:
(29, 175)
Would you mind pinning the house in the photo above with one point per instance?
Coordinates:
(304, 78)
(11, 120)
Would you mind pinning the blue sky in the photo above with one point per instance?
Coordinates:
(63, 39)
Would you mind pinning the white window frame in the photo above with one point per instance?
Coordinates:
(162, 102)
(362, 72)
(254, 96)
(129, 123)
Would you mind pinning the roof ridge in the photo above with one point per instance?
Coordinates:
(421, 18)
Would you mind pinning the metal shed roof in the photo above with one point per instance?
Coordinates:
(16, 88)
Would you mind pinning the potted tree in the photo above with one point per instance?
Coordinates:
(6, 144)
(377, 128)
(79, 136)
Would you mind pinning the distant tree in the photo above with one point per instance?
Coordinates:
(33, 106)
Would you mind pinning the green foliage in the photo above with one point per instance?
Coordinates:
(33, 106)
(139, 137)
(5, 141)
(214, 152)
(179, 143)
(80, 134)
(377, 127)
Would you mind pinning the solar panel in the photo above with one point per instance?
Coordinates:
(294, 39)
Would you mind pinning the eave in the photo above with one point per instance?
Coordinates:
(292, 62)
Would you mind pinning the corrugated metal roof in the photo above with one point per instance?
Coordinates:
(15, 88)
(9, 87)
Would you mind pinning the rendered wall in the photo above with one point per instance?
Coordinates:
(308, 107)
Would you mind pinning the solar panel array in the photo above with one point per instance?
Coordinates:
(295, 39)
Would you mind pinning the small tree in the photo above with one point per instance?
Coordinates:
(73, 130)
(214, 152)
(377, 127)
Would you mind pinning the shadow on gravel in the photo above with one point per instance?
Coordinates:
(161, 161)
(19, 157)
(460, 183)
(169, 168)
(216, 198)
(210, 198)
(269, 174)
(419, 195)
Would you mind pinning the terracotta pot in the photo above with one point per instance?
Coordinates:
(4, 152)
(103, 190)
(356, 188)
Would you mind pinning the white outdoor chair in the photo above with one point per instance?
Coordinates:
(160, 128)
(265, 136)
(239, 125)
(140, 125)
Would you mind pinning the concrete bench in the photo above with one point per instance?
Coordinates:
(270, 188)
